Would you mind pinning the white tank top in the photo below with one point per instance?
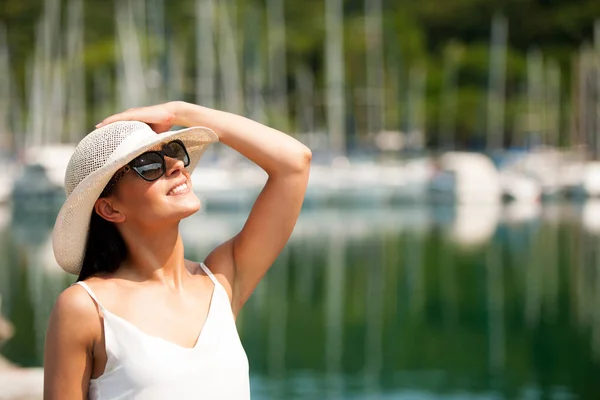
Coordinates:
(142, 366)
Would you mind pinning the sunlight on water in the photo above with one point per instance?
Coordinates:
(401, 303)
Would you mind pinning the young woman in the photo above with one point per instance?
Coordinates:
(142, 322)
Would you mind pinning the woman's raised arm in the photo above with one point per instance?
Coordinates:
(244, 259)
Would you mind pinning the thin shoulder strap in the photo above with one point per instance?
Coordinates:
(92, 295)
(210, 274)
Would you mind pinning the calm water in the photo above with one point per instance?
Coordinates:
(405, 303)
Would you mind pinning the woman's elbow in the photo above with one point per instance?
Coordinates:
(303, 159)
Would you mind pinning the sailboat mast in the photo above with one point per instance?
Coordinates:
(334, 56)
(276, 39)
(205, 53)
(374, 66)
(496, 85)
(76, 105)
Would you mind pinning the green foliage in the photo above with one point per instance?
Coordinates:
(415, 33)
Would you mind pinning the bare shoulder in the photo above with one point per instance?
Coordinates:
(75, 314)
(75, 302)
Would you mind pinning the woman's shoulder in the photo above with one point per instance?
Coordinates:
(75, 301)
(73, 310)
(78, 302)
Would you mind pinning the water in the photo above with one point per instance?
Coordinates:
(403, 303)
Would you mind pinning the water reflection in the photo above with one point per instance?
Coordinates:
(410, 302)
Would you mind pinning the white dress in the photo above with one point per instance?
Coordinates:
(141, 366)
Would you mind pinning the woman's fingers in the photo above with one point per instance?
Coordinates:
(124, 116)
(156, 116)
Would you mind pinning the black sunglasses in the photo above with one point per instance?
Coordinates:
(150, 165)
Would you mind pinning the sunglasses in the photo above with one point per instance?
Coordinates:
(151, 165)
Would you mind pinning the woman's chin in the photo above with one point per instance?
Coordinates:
(185, 205)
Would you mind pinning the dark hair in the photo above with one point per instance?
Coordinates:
(105, 249)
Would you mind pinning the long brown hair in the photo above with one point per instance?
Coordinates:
(105, 249)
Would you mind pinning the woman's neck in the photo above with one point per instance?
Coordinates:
(155, 255)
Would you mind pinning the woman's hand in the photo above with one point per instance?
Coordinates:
(160, 117)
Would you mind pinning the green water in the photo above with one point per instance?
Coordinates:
(405, 303)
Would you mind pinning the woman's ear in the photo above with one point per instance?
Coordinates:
(104, 208)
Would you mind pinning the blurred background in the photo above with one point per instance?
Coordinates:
(449, 245)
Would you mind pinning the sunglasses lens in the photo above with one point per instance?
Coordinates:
(177, 150)
(149, 166)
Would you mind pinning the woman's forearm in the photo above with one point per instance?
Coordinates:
(272, 150)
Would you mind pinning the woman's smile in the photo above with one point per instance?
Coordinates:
(179, 189)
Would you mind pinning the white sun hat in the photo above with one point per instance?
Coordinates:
(96, 159)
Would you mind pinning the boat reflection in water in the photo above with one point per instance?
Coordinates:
(409, 302)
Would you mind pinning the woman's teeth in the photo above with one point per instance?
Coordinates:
(178, 189)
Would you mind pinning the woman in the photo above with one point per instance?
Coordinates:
(142, 322)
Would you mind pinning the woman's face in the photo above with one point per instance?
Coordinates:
(166, 200)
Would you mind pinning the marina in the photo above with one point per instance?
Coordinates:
(448, 244)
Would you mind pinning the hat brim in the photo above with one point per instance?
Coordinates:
(70, 233)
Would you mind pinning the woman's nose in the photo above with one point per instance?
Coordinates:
(173, 165)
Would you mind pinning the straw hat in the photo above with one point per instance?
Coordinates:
(95, 160)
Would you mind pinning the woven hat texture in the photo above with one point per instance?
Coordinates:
(95, 160)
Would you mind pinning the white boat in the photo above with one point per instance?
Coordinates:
(520, 188)
(589, 180)
(466, 178)
(351, 183)
(40, 186)
(53, 158)
(416, 175)
(228, 187)
(544, 166)
(346, 182)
